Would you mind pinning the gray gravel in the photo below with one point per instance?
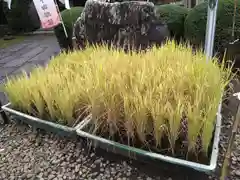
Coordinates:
(227, 123)
(235, 158)
(234, 168)
(26, 155)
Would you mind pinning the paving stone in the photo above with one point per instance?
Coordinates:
(29, 47)
(26, 67)
(34, 52)
(7, 55)
(45, 55)
(8, 59)
(4, 54)
(6, 71)
(16, 62)
(18, 47)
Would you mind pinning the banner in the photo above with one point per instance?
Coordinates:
(47, 13)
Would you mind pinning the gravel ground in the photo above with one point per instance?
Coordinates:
(234, 169)
(227, 124)
(25, 154)
(28, 155)
(235, 158)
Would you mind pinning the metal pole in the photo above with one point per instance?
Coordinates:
(61, 19)
(211, 26)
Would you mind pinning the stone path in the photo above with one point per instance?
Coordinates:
(34, 50)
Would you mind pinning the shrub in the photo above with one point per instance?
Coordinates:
(167, 92)
(174, 16)
(22, 17)
(196, 21)
(69, 17)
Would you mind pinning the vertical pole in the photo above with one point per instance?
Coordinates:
(61, 19)
(211, 26)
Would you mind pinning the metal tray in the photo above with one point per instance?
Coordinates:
(40, 123)
(131, 152)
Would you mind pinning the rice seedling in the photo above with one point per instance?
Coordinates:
(160, 99)
(18, 94)
(36, 98)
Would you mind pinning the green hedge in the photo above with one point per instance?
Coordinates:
(195, 24)
(18, 16)
(69, 17)
(174, 16)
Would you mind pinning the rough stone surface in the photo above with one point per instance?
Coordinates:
(235, 158)
(226, 132)
(28, 155)
(130, 24)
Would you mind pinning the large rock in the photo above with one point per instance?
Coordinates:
(130, 24)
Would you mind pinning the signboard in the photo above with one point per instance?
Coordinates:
(47, 12)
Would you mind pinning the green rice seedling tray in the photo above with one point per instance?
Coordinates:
(140, 154)
(37, 123)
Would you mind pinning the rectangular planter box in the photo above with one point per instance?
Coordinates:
(41, 124)
(137, 153)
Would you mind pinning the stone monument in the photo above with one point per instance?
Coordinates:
(128, 24)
